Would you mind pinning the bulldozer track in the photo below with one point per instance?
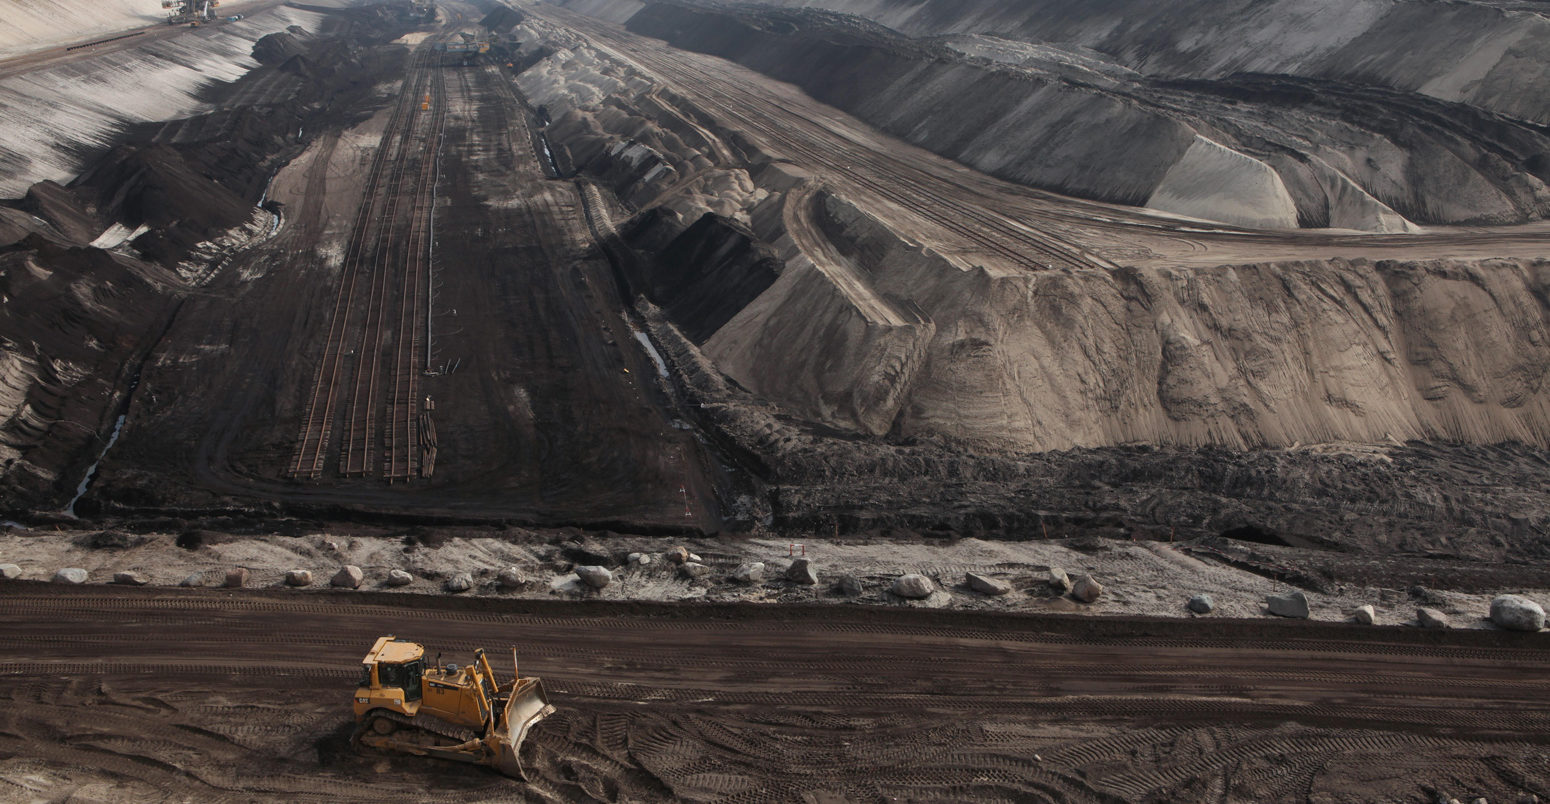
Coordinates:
(421, 723)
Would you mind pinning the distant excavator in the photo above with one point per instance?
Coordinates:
(189, 11)
(449, 712)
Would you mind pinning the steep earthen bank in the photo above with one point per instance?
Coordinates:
(992, 401)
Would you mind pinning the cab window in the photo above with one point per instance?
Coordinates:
(405, 676)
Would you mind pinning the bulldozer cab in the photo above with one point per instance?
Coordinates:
(391, 677)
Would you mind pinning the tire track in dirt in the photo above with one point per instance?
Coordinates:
(235, 695)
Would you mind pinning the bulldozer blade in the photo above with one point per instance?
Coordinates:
(527, 704)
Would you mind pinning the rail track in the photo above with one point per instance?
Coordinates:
(381, 305)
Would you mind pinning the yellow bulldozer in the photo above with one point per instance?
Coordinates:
(449, 712)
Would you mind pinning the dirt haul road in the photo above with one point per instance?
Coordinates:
(120, 694)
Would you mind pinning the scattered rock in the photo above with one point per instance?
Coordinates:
(851, 586)
(1086, 588)
(236, 577)
(639, 559)
(1289, 604)
(74, 575)
(1059, 580)
(1201, 604)
(693, 570)
(461, 582)
(1431, 618)
(913, 586)
(801, 572)
(645, 560)
(1365, 615)
(1517, 613)
(298, 577)
(595, 576)
(10, 572)
(349, 576)
(986, 586)
(696, 559)
(511, 578)
(194, 579)
(399, 578)
(750, 574)
(676, 555)
(130, 579)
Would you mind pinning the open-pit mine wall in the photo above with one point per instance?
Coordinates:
(57, 117)
(33, 24)
(1251, 150)
(1494, 56)
(853, 326)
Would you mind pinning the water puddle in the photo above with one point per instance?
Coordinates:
(651, 349)
(91, 472)
(118, 427)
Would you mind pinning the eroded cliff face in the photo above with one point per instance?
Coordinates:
(1252, 355)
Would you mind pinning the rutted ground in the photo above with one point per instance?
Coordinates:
(759, 704)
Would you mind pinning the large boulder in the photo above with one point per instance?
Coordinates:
(349, 576)
(1517, 613)
(10, 572)
(1431, 618)
(595, 576)
(638, 560)
(676, 555)
(1059, 581)
(1201, 604)
(298, 577)
(1292, 604)
(511, 578)
(801, 572)
(1086, 588)
(693, 570)
(73, 575)
(1365, 615)
(399, 578)
(986, 586)
(913, 586)
(194, 579)
(130, 579)
(236, 578)
(749, 574)
(461, 582)
(851, 586)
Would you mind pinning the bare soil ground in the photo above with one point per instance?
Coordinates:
(237, 696)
